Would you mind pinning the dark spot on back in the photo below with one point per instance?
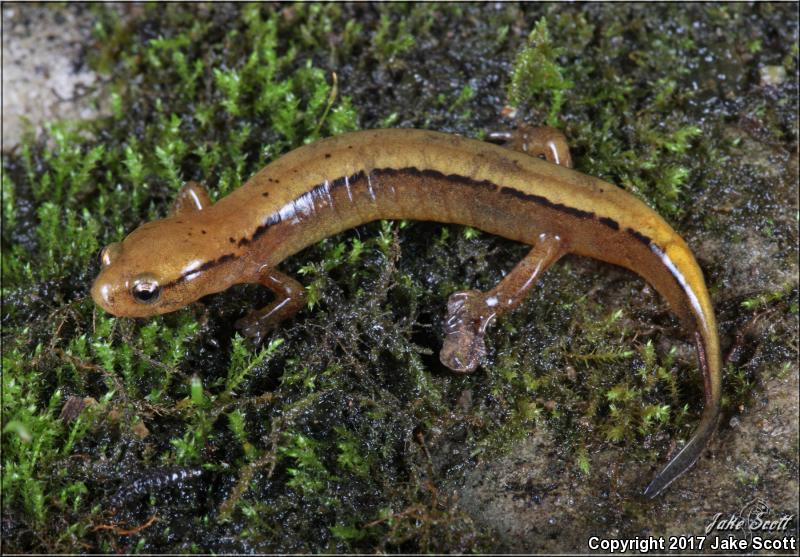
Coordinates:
(639, 236)
(327, 155)
(265, 194)
(611, 223)
(231, 240)
(202, 231)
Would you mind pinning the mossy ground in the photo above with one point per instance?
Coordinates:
(343, 432)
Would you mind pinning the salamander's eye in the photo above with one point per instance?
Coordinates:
(146, 289)
(108, 253)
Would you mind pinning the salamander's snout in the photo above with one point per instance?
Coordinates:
(108, 292)
(134, 276)
(101, 294)
(103, 287)
(125, 296)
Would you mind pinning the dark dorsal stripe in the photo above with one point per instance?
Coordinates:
(325, 188)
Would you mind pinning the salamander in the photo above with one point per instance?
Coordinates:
(525, 190)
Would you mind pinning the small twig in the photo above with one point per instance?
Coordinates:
(243, 483)
(331, 99)
(122, 532)
(256, 401)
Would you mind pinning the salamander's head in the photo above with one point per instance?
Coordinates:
(160, 267)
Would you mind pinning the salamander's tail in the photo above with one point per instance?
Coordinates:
(708, 422)
(688, 455)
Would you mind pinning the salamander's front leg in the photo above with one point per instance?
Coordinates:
(470, 313)
(290, 297)
(191, 198)
(544, 142)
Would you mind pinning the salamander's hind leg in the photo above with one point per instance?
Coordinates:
(470, 313)
(543, 142)
(290, 297)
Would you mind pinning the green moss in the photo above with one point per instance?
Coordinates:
(537, 76)
(392, 40)
(350, 455)
(31, 435)
(243, 362)
(306, 470)
(770, 297)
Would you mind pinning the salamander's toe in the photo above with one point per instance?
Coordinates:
(464, 347)
(252, 327)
